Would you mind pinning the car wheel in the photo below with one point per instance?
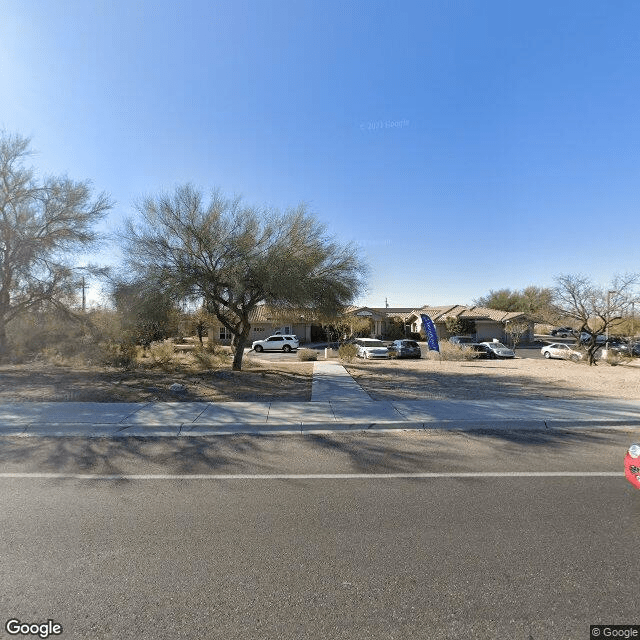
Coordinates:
(547, 355)
(575, 358)
(258, 348)
(286, 348)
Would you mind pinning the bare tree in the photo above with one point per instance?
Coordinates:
(596, 309)
(41, 224)
(515, 330)
(233, 257)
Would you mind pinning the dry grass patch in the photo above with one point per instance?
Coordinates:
(494, 379)
(258, 382)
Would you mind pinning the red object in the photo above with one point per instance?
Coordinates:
(632, 470)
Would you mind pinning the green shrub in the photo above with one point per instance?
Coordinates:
(307, 355)
(347, 352)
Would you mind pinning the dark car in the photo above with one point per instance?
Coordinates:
(462, 340)
(620, 347)
(562, 332)
(404, 349)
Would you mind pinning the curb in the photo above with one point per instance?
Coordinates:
(189, 430)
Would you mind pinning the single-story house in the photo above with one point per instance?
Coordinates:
(265, 322)
(489, 323)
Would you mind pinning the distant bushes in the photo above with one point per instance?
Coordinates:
(347, 352)
(307, 355)
(450, 351)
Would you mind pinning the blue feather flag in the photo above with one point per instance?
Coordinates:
(430, 330)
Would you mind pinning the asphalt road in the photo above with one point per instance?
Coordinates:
(152, 545)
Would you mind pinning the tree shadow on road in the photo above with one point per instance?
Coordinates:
(433, 451)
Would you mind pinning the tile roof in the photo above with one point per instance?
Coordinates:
(439, 314)
(267, 314)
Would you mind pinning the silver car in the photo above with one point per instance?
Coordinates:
(499, 350)
(557, 350)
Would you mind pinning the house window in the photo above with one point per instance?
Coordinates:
(225, 334)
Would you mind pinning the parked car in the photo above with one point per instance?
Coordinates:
(562, 332)
(620, 347)
(462, 340)
(286, 343)
(632, 465)
(635, 349)
(371, 348)
(481, 350)
(586, 337)
(499, 350)
(564, 351)
(404, 349)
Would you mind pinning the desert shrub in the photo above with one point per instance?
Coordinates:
(347, 352)
(123, 354)
(450, 351)
(395, 329)
(162, 354)
(460, 326)
(210, 356)
(307, 355)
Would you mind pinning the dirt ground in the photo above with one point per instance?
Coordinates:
(494, 379)
(291, 380)
(40, 382)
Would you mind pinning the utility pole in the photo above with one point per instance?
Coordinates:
(84, 299)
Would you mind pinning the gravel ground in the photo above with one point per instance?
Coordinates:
(39, 382)
(291, 381)
(487, 379)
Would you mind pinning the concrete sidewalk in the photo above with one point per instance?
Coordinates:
(338, 403)
(203, 418)
(331, 381)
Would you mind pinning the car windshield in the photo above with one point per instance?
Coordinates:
(498, 345)
(372, 343)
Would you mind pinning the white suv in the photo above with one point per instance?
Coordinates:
(285, 343)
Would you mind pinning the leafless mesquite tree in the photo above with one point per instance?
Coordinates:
(42, 222)
(232, 257)
(515, 330)
(597, 309)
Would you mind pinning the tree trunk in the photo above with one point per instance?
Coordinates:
(591, 355)
(240, 341)
(4, 347)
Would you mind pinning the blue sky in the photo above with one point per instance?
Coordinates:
(466, 146)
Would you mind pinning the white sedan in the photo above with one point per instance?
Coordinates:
(563, 351)
(370, 348)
